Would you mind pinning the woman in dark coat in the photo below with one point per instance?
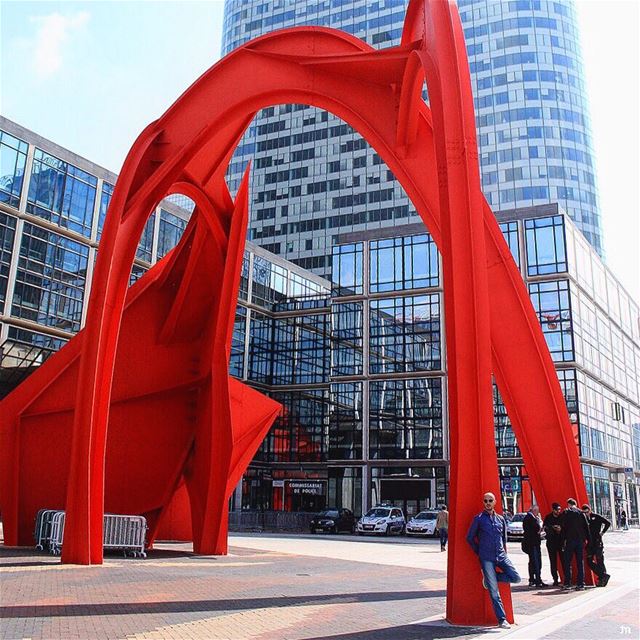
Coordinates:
(533, 535)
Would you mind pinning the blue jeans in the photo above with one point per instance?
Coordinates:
(535, 564)
(573, 548)
(444, 536)
(491, 579)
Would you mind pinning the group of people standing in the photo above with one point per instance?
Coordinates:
(567, 534)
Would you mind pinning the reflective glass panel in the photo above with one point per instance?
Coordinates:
(171, 230)
(404, 334)
(346, 269)
(546, 247)
(408, 262)
(61, 193)
(551, 302)
(300, 434)
(50, 280)
(346, 339)
(105, 199)
(13, 158)
(7, 237)
(236, 362)
(405, 419)
(510, 233)
(345, 422)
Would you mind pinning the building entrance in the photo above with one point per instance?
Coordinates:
(412, 495)
(305, 495)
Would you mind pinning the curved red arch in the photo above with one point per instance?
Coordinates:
(491, 325)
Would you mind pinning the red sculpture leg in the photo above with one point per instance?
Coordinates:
(473, 461)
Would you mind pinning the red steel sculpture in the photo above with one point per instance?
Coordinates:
(151, 363)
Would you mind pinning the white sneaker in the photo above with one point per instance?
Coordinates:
(504, 625)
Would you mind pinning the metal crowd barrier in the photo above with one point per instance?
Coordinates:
(269, 520)
(42, 532)
(125, 533)
(56, 533)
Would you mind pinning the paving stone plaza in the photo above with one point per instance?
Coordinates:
(295, 587)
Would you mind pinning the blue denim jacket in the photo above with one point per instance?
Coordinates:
(488, 536)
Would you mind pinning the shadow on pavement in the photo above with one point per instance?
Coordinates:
(32, 563)
(412, 632)
(180, 606)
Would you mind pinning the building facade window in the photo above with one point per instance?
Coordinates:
(510, 233)
(146, 240)
(346, 269)
(405, 419)
(409, 488)
(346, 339)
(36, 339)
(269, 282)
(236, 361)
(105, 198)
(137, 271)
(243, 292)
(546, 246)
(61, 193)
(260, 345)
(50, 280)
(7, 237)
(13, 158)
(506, 445)
(345, 488)
(404, 334)
(171, 229)
(300, 433)
(345, 421)
(551, 302)
(409, 262)
(300, 350)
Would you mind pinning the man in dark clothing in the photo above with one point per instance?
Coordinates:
(532, 528)
(598, 526)
(553, 530)
(575, 531)
(487, 537)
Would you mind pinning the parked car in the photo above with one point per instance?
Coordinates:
(333, 520)
(422, 524)
(514, 528)
(382, 521)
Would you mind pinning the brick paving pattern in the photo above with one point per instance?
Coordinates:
(270, 588)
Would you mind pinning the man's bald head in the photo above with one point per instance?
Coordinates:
(489, 501)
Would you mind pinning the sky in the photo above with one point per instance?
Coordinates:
(91, 75)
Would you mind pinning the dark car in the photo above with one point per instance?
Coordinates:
(333, 520)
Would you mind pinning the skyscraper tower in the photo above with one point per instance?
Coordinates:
(314, 177)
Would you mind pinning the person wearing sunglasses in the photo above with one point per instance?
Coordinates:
(487, 536)
(598, 525)
(554, 540)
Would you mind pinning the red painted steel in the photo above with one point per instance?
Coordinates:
(177, 365)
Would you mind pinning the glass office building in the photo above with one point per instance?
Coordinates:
(52, 208)
(370, 423)
(359, 363)
(314, 178)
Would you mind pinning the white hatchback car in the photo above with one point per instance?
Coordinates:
(382, 521)
(422, 524)
(515, 528)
